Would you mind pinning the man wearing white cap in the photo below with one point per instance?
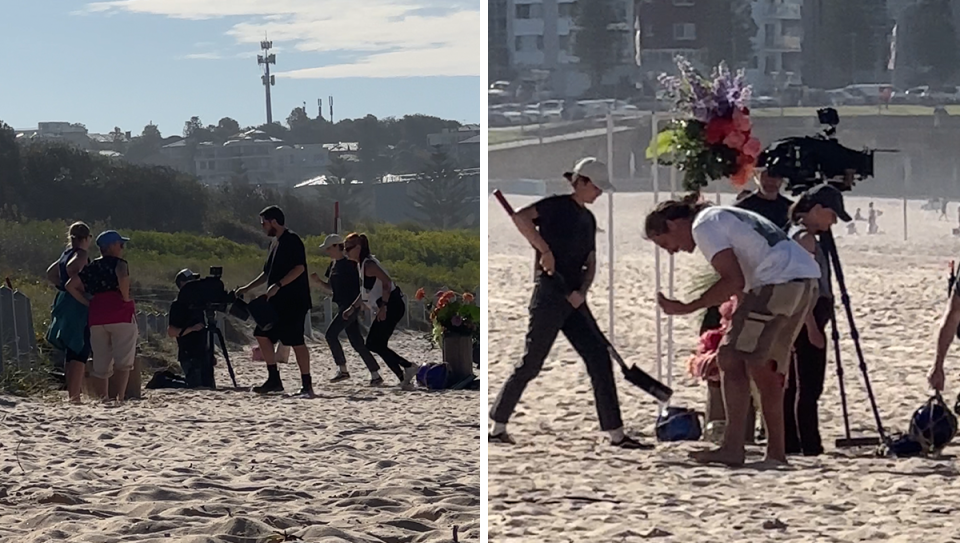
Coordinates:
(563, 232)
(343, 282)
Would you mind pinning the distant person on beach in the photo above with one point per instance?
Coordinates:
(285, 271)
(857, 216)
(776, 280)
(112, 317)
(69, 330)
(382, 296)
(872, 215)
(342, 280)
(943, 209)
(564, 231)
(813, 214)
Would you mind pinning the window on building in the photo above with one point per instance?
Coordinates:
(769, 34)
(683, 2)
(771, 65)
(539, 43)
(523, 11)
(566, 10)
(684, 31)
(203, 165)
(647, 30)
(566, 44)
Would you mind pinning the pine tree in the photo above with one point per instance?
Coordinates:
(440, 196)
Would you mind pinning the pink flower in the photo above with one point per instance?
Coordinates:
(752, 148)
(741, 121)
(735, 140)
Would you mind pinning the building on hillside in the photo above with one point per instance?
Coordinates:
(540, 35)
(59, 132)
(256, 157)
(461, 144)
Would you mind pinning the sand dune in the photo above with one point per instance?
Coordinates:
(563, 483)
(356, 464)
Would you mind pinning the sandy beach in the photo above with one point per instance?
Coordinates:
(562, 482)
(356, 464)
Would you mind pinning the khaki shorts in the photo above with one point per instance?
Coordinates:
(114, 347)
(768, 320)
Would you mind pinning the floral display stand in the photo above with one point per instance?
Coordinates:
(458, 357)
(456, 327)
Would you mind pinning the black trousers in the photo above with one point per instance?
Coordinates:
(551, 313)
(354, 335)
(380, 331)
(801, 415)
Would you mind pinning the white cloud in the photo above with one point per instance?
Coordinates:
(203, 56)
(369, 38)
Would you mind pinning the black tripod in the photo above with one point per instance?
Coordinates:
(214, 338)
(829, 247)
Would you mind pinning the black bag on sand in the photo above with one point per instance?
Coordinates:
(166, 379)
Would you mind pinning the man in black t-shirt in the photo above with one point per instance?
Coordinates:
(343, 282)
(563, 231)
(187, 326)
(285, 271)
(768, 202)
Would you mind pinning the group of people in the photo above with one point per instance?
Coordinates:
(94, 313)
(767, 254)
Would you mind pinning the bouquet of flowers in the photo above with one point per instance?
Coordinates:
(453, 314)
(714, 140)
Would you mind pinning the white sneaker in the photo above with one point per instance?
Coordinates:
(409, 376)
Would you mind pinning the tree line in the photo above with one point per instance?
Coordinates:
(48, 181)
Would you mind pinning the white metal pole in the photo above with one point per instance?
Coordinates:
(673, 194)
(718, 192)
(654, 121)
(906, 182)
(610, 261)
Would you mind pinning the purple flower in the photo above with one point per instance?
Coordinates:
(456, 320)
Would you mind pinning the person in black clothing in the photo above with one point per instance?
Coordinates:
(767, 200)
(187, 326)
(813, 214)
(289, 293)
(563, 231)
(343, 281)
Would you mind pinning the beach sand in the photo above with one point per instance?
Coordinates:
(562, 482)
(356, 464)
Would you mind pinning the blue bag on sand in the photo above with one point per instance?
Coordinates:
(678, 424)
(432, 376)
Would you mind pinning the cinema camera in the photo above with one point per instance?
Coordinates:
(805, 161)
(208, 294)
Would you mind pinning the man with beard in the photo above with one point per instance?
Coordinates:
(289, 293)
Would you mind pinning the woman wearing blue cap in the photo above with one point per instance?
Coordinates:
(113, 325)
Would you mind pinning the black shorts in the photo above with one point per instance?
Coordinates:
(288, 328)
(83, 355)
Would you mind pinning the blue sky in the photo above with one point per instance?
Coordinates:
(128, 62)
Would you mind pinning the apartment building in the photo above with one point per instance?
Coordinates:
(669, 28)
(778, 45)
(540, 34)
(264, 160)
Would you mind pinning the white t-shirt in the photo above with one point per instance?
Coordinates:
(766, 255)
(370, 297)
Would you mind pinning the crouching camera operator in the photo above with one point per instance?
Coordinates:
(187, 326)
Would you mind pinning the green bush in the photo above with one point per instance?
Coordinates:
(424, 258)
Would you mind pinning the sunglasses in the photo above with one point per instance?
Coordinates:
(349, 247)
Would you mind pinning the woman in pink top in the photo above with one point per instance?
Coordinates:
(113, 327)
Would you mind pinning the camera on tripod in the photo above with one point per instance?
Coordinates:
(806, 161)
(207, 294)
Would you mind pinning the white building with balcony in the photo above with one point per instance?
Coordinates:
(541, 34)
(778, 45)
(262, 159)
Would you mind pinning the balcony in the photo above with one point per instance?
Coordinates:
(528, 27)
(787, 44)
(781, 12)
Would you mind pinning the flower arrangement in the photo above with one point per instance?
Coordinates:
(703, 364)
(715, 139)
(452, 314)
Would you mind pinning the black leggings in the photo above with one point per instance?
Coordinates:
(380, 332)
(801, 413)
